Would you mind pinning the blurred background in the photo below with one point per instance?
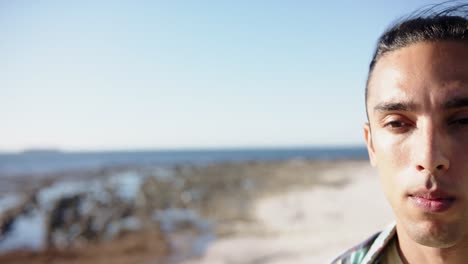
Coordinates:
(186, 131)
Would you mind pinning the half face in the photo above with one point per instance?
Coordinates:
(417, 137)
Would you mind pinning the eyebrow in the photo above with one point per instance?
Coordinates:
(457, 102)
(400, 106)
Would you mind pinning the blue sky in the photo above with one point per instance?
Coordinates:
(90, 75)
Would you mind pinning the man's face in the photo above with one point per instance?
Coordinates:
(417, 137)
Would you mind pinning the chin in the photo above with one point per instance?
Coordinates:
(434, 234)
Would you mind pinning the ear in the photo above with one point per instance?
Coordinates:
(370, 145)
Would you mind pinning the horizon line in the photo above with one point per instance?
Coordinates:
(181, 149)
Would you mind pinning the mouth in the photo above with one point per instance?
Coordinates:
(432, 201)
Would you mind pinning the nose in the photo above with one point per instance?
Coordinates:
(432, 150)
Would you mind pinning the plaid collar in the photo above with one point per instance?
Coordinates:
(380, 243)
(369, 251)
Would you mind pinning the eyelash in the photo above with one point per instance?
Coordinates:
(401, 126)
(460, 122)
(397, 125)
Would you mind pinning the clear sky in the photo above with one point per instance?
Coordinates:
(90, 75)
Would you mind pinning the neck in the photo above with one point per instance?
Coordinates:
(411, 252)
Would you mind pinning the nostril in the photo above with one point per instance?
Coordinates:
(442, 166)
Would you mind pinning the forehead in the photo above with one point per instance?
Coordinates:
(430, 72)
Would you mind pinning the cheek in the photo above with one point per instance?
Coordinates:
(392, 153)
(392, 159)
(458, 169)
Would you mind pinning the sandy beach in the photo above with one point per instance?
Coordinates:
(309, 225)
(293, 211)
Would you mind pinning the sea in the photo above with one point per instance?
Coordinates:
(37, 162)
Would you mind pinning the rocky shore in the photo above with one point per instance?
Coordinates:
(158, 214)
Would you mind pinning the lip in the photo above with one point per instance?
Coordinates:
(436, 201)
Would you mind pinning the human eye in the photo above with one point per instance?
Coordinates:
(460, 121)
(397, 125)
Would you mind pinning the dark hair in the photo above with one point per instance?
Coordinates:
(441, 22)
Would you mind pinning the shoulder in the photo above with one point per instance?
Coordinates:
(368, 251)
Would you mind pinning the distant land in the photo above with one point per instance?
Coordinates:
(41, 151)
